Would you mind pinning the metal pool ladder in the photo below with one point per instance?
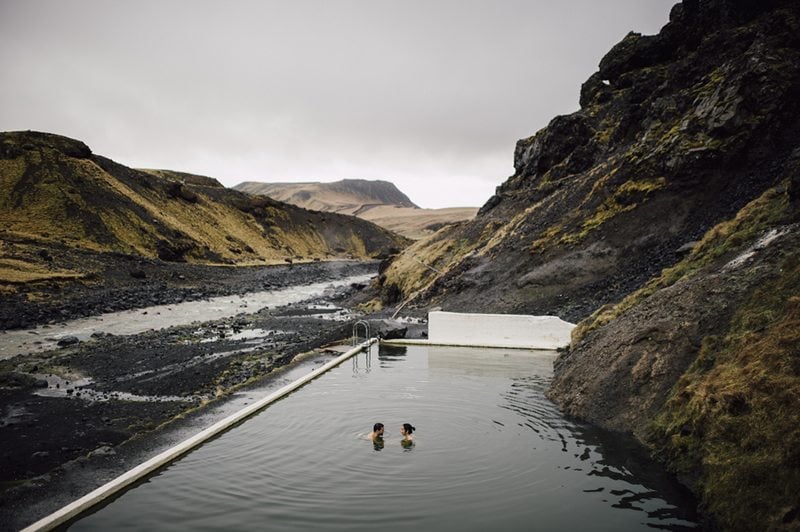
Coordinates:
(356, 326)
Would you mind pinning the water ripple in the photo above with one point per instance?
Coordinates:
(491, 451)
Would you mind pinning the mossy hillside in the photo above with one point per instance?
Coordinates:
(42, 204)
(622, 179)
(55, 192)
(220, 228)
(55, 196)
(624, 198)
(706, 113)
(732, 425)
(723, 240)
(420, 263)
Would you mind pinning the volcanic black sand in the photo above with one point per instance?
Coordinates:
(74, 417)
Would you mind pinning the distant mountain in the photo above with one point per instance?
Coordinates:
(380, 202)
(56, 193)
(347, 196)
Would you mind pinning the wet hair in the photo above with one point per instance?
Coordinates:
(408, 428)
(377, 426)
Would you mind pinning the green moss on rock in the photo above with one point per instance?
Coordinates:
(732, 425)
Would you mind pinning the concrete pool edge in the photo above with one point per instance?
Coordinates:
(496, 331)
(116, 485)
(477, 346)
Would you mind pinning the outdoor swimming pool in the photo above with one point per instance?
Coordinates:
(490, 452)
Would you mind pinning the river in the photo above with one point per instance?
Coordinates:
(46, 337)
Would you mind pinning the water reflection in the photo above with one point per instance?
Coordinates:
(496, 454)
(627, 478)
(389, 354)
(363, 362)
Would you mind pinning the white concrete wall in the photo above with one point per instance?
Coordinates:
(498, 330)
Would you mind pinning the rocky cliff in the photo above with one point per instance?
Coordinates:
(664, 214)
(57, 196)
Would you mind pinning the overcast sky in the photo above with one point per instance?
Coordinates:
(431, 95)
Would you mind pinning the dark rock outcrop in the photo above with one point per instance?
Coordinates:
(690, 135)
(676, 133)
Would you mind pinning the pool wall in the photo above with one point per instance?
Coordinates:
(498, 330)
(105, 491)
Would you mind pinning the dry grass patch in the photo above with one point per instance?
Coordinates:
(734, 416)
(16, 271)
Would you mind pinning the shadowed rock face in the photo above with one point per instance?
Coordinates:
(676, 133)
(664, 214)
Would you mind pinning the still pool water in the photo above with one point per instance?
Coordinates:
(491, 452)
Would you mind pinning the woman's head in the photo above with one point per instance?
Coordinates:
(407, 429)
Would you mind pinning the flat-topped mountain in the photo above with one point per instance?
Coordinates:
(380, 202)
(57, 197)
(348, 196)
(664, 214)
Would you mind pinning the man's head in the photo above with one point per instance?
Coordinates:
(378, 428)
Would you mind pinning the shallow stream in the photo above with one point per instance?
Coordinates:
(44, 338)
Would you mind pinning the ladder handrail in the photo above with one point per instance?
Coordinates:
(355, 331)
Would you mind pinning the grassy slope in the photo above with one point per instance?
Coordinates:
(755, 218)
(731, 425)
(416, 223)
(53, 192)
(733, 421)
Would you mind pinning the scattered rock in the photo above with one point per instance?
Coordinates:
(686, 248)
(388, 329)
(68, 341)
(105, 450)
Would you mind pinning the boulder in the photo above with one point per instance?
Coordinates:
(388, 329)
(67, 341)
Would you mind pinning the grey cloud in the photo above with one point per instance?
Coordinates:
(428, 91)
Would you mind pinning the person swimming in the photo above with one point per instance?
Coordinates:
(377, 432)
(407, 431)
(376, 436)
